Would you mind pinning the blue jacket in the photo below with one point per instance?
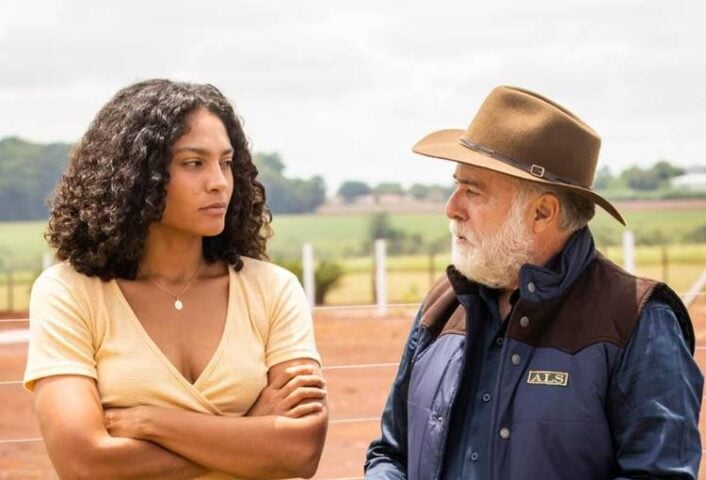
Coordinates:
(595, 379)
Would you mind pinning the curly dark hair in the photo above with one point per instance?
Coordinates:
(115, 184)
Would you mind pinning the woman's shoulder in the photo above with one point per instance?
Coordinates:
(62, 284)
(265, 273)
(65, 274)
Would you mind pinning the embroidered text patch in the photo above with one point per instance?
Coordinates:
(545, 377)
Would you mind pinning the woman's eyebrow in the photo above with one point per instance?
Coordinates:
(201, 151)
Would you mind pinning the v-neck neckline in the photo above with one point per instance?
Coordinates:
(158, 351)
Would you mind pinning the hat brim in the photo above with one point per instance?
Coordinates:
(445, 145)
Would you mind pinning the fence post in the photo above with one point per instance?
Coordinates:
(629, 251)
(10, 292)
(380, 276)
(308, 273)
(665, 264)
(432, 275)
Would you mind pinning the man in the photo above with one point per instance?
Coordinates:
(535, 357)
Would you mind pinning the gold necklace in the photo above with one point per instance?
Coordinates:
(178, 304)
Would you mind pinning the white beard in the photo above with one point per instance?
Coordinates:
(494, 259)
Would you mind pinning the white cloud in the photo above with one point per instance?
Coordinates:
(344, 89)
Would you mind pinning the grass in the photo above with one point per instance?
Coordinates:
(343, 238)
(22, 245)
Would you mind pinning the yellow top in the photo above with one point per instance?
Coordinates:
(81, 325)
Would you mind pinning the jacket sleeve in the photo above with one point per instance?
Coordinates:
(387, 456)
(654, 401)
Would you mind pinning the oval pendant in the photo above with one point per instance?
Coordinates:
(178, 305)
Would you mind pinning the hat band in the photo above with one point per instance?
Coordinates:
(534, 169)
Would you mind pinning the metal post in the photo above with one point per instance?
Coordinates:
(432, 275)
(380, 276)
(10, 292)
(308, 273)
(629, 251)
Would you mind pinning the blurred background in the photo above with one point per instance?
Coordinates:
(333, 95)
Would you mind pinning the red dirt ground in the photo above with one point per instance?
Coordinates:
(345, 337)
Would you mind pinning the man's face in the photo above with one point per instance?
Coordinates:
(491, 238)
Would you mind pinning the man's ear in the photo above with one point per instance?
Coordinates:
(546, 211)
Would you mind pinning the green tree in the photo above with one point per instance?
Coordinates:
(398, 241)
(327, 276)
(603, 178)
(388, 188)
(663, 170)
(639, 179)
(419, 191)
(352, 189)
(381, 227)
(269, 162)
(28, 174)
(288, 195)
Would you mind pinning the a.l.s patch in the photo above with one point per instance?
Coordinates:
(545, 377)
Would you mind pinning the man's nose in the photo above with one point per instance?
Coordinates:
(454, 206)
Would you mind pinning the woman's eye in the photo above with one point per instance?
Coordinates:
(227, 162)
(192, 162)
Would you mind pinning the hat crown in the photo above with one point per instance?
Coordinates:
(527, 129)
(524, 135)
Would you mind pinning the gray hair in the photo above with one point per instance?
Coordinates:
(575, 211)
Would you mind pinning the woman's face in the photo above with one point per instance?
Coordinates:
(201, 182)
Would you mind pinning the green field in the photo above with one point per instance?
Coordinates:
(343, 238)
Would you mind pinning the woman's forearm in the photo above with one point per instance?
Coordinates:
(71, 420)
(251, 447)
(127, 458)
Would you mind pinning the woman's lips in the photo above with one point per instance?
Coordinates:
(214, 210)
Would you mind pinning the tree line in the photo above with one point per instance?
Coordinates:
(29, 171)
(350, 190)
(653, 182)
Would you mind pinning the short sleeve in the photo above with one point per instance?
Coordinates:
(291, 329)
(60, 338)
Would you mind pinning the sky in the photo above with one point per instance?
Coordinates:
(344, 89)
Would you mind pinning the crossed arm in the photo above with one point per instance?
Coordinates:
(281, 436)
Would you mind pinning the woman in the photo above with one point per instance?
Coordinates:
(163, 346)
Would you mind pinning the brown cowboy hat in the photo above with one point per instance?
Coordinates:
(525, 135)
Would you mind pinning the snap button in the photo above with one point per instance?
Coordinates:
(486, 397)
(474, 456)
(440, 419)
(499, 341)
(531, 287)
(524, 321)
(515, 359)
(504, 433)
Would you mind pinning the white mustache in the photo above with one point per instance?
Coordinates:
(458, 231)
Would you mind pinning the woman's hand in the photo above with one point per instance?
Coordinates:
(127, 422)
(294, 392)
